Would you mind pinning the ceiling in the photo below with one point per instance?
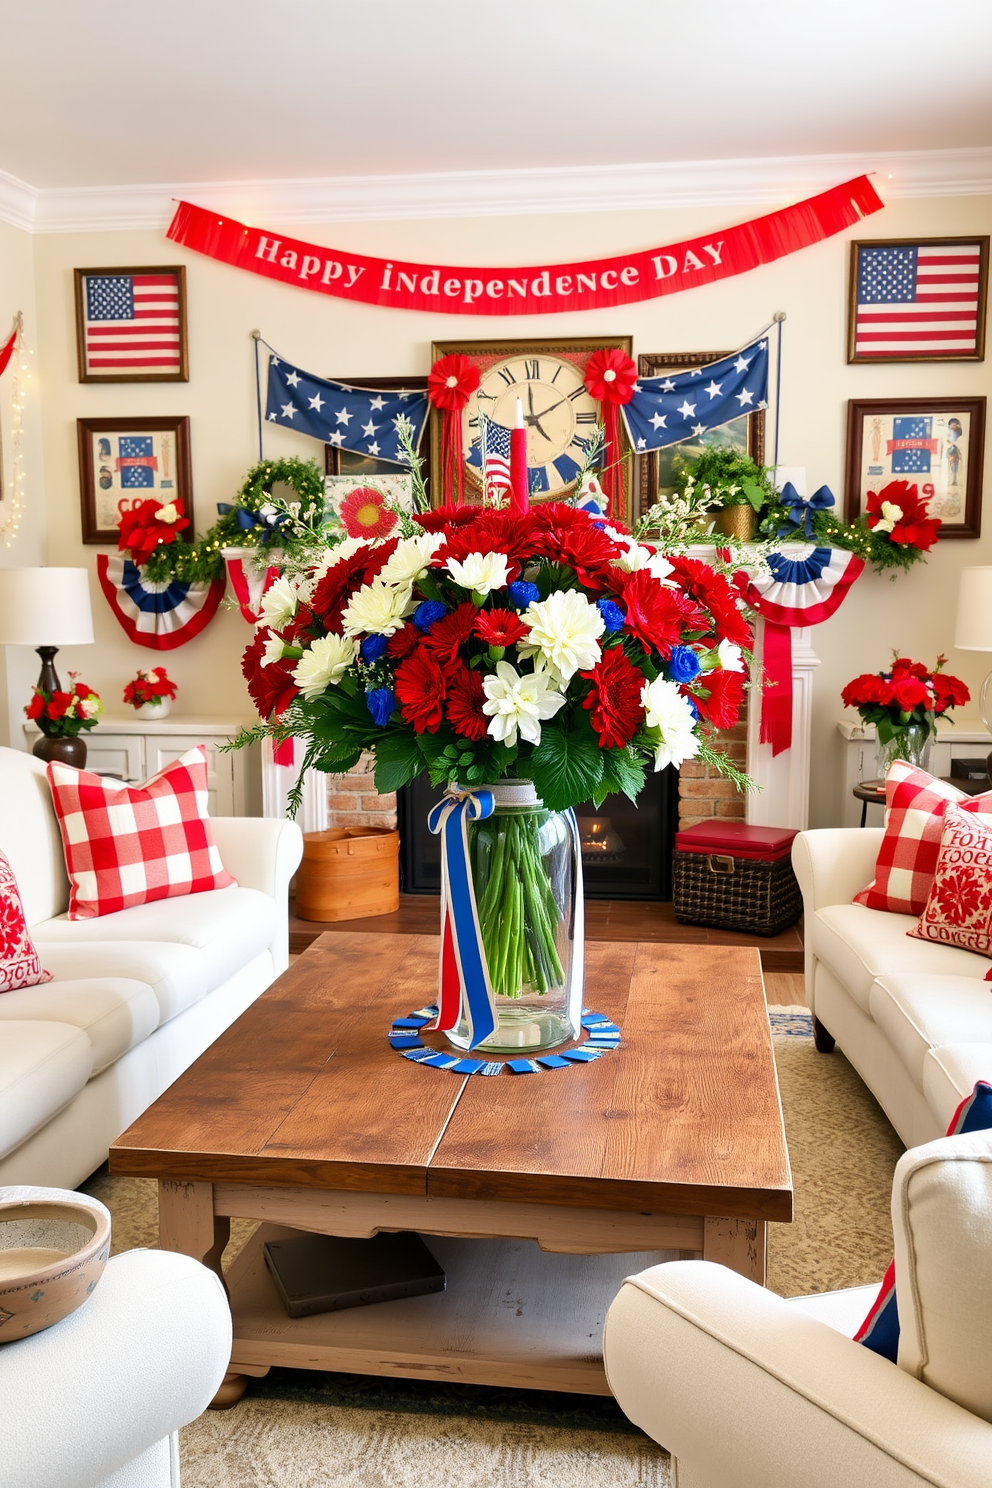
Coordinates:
(123, 94)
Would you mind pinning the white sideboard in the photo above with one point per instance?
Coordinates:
(134, 748)
(968, 739)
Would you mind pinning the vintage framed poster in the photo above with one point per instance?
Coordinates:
(125, 461)
(918, 300)
(549, 378)
(131, 324)
(658, 472)
(937, 444)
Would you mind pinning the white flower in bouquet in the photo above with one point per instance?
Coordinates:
(87, 707)
(637, 556)
(668, 711)
(411, 558)
(480, 572)
(515, 701)
(565, 629)
(274, 647)
(325, 662)
(279, 604)
(377, 609)
(730, 657)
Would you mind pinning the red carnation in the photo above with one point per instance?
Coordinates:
(615, 698)
(913, 528)
(448, 634)
(499, 627)
(271, 687)
(721, 706)
(716, 594)
(654, 614)
(511, 533)
(444, 517)
(464, 704)
(403, 641)
(346, 577)
(36, 706)
(420, 691)
(585, 549)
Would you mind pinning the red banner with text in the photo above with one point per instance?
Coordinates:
(537, 288)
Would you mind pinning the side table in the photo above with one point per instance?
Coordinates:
(869, 793)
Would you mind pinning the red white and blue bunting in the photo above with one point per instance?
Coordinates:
(159, 616)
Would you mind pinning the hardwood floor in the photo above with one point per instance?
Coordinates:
(784, 989)
(606, 919)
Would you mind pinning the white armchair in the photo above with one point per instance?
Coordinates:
(748, 1390)
(97, 1400)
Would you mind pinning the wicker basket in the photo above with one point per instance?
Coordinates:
(732, 893)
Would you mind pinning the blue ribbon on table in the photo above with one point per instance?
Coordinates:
(270, 522)
(465, 987)
(799, 517)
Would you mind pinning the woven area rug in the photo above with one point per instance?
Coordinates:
(299, 1429)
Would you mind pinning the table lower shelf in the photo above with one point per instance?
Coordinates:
(511, 1315)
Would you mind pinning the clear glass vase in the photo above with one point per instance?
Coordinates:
(912, 743)
(525, 866)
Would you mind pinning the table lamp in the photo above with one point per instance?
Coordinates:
(974, 627)
(45, 608)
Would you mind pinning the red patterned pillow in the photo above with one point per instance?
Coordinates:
(127, 844)
(19, 964)
(959, 909)
(915, 803)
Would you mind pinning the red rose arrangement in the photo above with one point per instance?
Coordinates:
(906, 694)
(63, 715)
(149, 687)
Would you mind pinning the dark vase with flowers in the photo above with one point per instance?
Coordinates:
(62, 716)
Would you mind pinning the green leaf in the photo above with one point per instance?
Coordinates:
(622, 771)
(397, 761)
(567, 767)
(337, 758)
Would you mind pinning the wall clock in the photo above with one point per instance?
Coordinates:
(559, 413)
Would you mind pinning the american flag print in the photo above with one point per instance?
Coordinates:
(491, 454)
(918, 301)
(132, 324)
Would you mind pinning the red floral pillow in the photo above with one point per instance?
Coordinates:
(959, 909)
(19, 963)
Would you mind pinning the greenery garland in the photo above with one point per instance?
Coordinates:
(300, 527)
(830, 531)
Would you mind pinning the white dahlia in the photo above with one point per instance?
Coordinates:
(565, 629)
(515, 702)
(324, 663)
(668, 711)
(377, 609)
(274, 648)
(480, 572)
(411, 558)
(279, 604)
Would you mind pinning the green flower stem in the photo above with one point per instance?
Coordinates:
(517, 909)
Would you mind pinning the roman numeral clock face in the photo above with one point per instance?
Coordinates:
(559, 416)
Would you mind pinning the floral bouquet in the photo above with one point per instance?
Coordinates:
(904, 704)
(150, 687)
(541, 648)
(63, 715)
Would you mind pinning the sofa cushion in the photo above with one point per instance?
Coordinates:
(860, 944)
(227, 926)
(951, 1071)
(43, 1066)
(29, 835)
(127, 845)
(177, 974)
(918, 1013)
(958, 910)
(115, 1014)
(843, 1311)
(20, 965)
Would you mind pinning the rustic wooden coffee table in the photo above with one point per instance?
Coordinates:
(540, 1192)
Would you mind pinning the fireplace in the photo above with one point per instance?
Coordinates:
(626, 848)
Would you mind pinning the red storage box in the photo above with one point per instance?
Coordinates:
(730, 876)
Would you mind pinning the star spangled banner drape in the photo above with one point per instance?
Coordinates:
(669, 408)
(362, 420)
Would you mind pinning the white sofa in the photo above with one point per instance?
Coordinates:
(137, 995)
(748, 1390)
(914, 1018)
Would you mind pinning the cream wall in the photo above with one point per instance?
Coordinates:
(916, 613)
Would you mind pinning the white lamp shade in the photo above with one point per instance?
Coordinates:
(45, 607)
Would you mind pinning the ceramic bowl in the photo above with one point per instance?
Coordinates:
(54, 1245)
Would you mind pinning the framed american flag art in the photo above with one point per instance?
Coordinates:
(918, 300)
(131, 324)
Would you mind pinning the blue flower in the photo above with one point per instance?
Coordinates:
(523, 594)
(683, 664)
(613, 615)
(373, 647)
(692, 705)
(381, 703)
(428, 612)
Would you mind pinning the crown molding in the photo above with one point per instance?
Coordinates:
(700, 183)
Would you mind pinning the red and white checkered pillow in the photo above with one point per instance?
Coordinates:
(19, 963)
(130, 844)
(915, 803)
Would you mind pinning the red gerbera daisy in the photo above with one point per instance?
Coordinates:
(587, 550)
(271, 687)
(615, 698)
(724, 697)
(420, 691)
(446, 635)
(499, 627)
(464, 704)
(654, 613)
(363, 513)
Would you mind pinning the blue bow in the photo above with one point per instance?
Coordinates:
(270, 525)
(799, 517)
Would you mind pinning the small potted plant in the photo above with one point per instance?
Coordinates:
(151, 693)
(739, 487)
(62, 717)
